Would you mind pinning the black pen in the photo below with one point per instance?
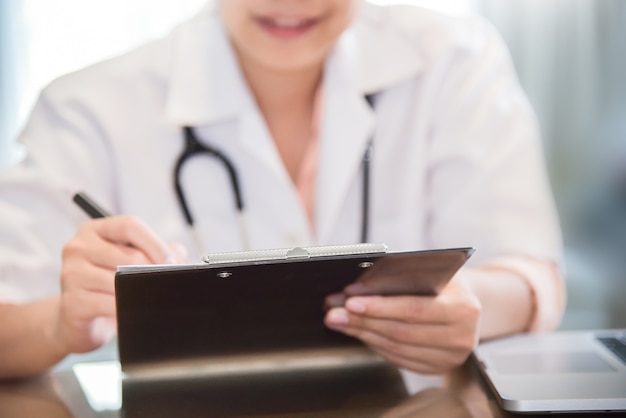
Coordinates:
(90, 207)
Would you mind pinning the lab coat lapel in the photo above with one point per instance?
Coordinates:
(206, 85)
(347, 125)
(369, 58)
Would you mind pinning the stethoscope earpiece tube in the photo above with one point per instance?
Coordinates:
(180, 195)
(366, 163)
(365, 205)
(193, 148)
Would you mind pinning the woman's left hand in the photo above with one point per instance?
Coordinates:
(424, 334)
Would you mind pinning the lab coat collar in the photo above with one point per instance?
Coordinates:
(207, 86)
(206, 83)
(385, 56)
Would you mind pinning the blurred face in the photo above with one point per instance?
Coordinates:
(285, 35)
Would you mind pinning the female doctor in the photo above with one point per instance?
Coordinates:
(341, 121)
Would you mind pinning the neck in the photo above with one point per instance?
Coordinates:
(286, 99)
(284, 92)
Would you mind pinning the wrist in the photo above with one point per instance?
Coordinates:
(52, 331)
(507, 300)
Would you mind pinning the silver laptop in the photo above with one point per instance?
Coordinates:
(575, 371)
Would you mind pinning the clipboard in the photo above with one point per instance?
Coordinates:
(259, 311)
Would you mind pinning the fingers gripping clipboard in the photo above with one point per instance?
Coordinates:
(261, 303)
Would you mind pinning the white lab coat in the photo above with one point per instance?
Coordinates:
(457, 158)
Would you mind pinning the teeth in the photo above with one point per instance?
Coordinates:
(288, 22)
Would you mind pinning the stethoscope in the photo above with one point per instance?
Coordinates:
(193, 148)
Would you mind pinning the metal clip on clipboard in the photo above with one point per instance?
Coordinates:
(296, 253)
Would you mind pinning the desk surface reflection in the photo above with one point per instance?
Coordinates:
(359, 393)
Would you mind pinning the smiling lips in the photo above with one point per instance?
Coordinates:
(287, 27)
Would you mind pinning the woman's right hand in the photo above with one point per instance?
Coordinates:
(86, 315)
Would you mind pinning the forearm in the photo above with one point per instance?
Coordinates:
(27, 343)
(518, 294)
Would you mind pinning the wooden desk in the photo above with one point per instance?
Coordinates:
(58, 394)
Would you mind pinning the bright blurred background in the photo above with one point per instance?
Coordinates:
(570, 56)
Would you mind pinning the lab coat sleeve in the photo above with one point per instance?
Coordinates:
(64, 154)
(487, 181)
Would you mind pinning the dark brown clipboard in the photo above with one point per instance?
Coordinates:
(260, 309)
